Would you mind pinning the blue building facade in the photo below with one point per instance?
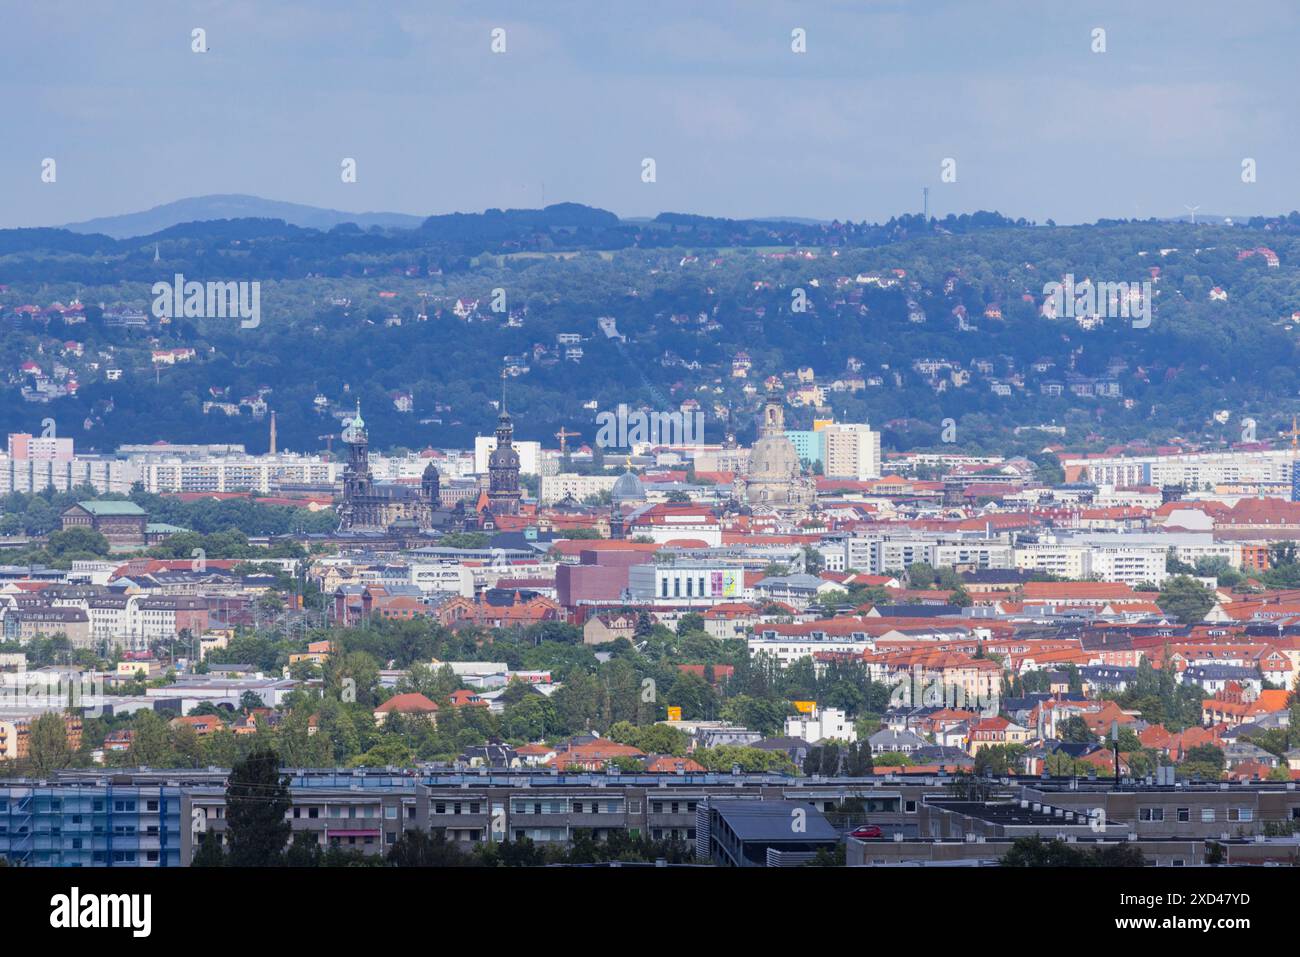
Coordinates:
(84, 825)
(808, 445)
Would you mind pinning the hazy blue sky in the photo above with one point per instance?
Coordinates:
(1040, 126)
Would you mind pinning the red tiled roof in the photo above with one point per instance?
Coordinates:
(412, 703)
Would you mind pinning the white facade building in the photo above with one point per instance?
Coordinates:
(852, 452)
(686, 583)
(822, 724)
(1195, 471)
(530, 454)
(1131, 559)
(554, 488)
(234, 472)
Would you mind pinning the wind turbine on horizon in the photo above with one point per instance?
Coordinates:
(1192, 210)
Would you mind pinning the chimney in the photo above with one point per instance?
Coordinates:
(272, 433)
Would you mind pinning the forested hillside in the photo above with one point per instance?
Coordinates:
(904, 324)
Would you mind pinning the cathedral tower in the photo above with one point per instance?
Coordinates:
(504, 492)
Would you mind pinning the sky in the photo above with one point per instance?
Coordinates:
(1037, 124)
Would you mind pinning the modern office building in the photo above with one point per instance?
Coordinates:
(686, 582)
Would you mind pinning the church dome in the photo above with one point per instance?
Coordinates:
(773, 458)
(775, 476)
(627, 488)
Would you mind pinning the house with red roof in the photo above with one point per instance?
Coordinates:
(412, 704)
(536, 754)
(994, 732)
(520, 612)
(730, 619)
(1076, 593)
(719, 672)
(667, 764)
(1233, 705)
(202, 724)
(464, 698)
(593, 756)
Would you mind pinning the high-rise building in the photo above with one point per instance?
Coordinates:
(852, 451)
(531, 461)
(25, 447)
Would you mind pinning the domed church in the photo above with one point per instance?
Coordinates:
(775, 479)
(628, 489)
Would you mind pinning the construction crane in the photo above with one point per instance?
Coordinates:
(1294, 433)
(329, 442)
(563, 435)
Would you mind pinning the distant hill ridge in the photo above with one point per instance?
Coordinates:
(234, 206)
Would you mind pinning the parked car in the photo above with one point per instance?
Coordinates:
(866, 832)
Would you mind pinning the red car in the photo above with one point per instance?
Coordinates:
(866, 832)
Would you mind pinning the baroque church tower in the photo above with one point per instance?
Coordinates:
(372, 506)
(504, 490)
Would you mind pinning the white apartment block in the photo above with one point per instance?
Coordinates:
(235, 473)
(39, 448)
(834, 555)
(787, 649)
(940, 460)
(131, 622)
(1133, 560)
(1131, 564)
(879, 555)
(37, 475)
(852, 452)
(410, 467)
(443, 577)
(1108, 497)
(530, 455)
(1191, 548)
(821, 725)
(554, 488)
(1064, 561)
(981, 554)
(1195, 470)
